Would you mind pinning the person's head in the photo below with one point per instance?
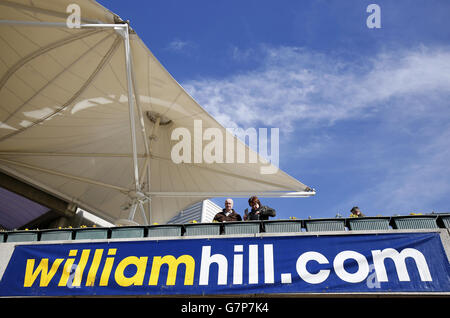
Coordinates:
(254, 202)
(355, 210)
(228, 204)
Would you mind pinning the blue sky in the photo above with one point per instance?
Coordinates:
(364, 114)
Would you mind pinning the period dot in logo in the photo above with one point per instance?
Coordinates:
(286, 278)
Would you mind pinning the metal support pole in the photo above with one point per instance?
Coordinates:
(243, 194)
(141, 207)
(57, 24)
(146, 169)
(149, 202)
(132, 211)
(126, 38)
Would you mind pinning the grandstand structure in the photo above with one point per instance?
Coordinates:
(106, 148)
(200, 212)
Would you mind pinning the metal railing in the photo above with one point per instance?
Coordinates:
(426, 221)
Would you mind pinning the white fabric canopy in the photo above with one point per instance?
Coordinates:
(65, 121)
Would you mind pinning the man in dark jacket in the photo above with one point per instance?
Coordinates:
(258, 212)
(227, 214)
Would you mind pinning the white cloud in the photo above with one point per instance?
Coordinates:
(293, 85)
(178, 45)
(307, 93)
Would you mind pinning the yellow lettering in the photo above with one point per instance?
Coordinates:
(67, 268)
(42, 268)
(94, 268)
(66, 272)
(107, 268)
(73, 253)
(136, 279)
(80, 268)
(173, 263)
